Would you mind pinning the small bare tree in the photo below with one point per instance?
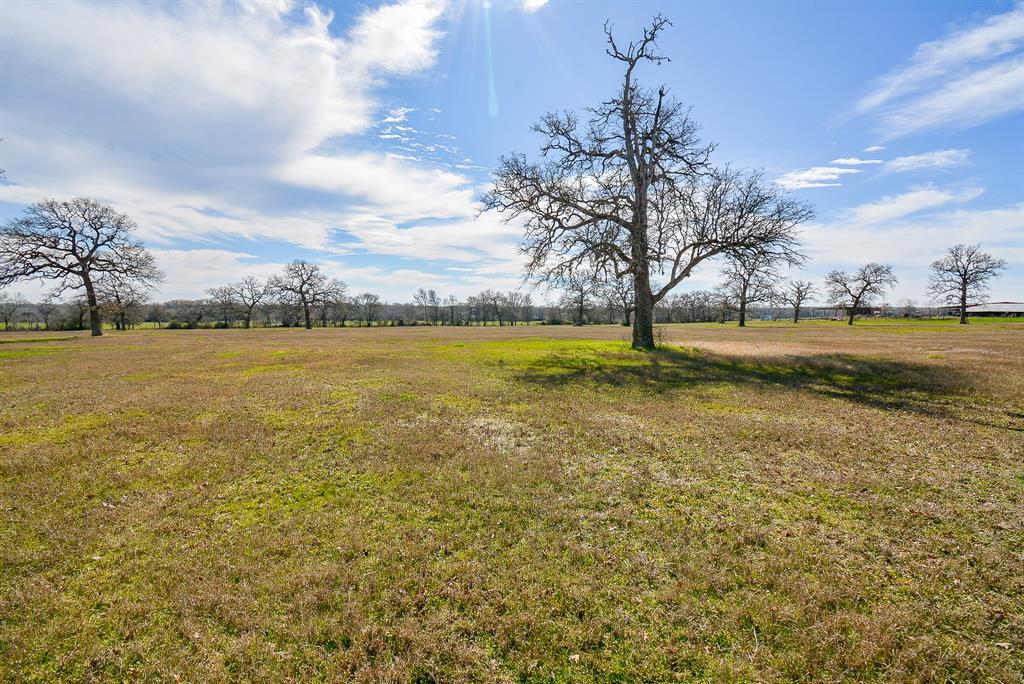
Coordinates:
(851, 291)
(333, 300)
(249, 293)
(47, 308)
(618, 294)
(577, 297)
(630, 191)
(795, 293)
(751, 278)
(962, 274)
(10, 307)
(122, 300)
(369, 307)
(75, 242)
(223, 300)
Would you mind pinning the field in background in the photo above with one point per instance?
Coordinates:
(813, 502)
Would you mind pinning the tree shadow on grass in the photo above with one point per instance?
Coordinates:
(878, 383)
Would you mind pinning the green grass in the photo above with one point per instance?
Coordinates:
(782, 503)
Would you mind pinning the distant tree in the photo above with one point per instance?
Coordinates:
(122, 299)
(631, 191)
(47, 308)
(333, 301)
(10, 307)
(187, 312)
(491, 303)
(369, 307)
(852, 291)
(74, 242)
(751, 278)
(451, 304)
(963, 274)
(223, 300)
(248, 294)
(795, 293)
(155, 313)
(907, 306)
(305, 286)
(577, 297)
(420, 298)
(618, 293)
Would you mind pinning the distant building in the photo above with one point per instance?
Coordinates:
(992, 309)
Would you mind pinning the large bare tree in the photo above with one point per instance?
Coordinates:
(630, 191)
(795, 293)
(75, 243)
(962, 274)
(853, 291)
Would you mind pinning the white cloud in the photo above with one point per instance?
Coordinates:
(973, 99)
(898, 206)
(189, 272)
(219, 114)
(398, 114)
(854, 161)
(532, 5)
(815, 177)
(971, 76)
(912, 241)
(874, 148)
(999, 35)
(939, 159)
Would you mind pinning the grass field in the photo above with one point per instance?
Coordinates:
(813, 502)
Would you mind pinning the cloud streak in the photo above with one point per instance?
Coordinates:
(971, 76)
(814, 177)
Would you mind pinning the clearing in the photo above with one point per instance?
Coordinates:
(810, 502)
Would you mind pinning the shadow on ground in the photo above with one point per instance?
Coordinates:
(878, 383)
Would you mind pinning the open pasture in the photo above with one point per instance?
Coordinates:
(814, 502)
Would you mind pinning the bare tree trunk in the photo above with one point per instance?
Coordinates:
(796, 314)
(963, 306)
(305, 312)
(94, 307)
(643, 314)
(852, 312)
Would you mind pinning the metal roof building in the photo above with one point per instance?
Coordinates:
(996, 309)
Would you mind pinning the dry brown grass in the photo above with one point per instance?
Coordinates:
(813, 503)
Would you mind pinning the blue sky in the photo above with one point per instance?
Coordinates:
(242, 135)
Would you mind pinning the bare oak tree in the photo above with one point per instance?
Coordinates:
(249, 293)
(305, 285)
(751, 277)
(963, 274)
(630, 191)
(121, 299)
(75, 242)
(851, 291)
(795, 293)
